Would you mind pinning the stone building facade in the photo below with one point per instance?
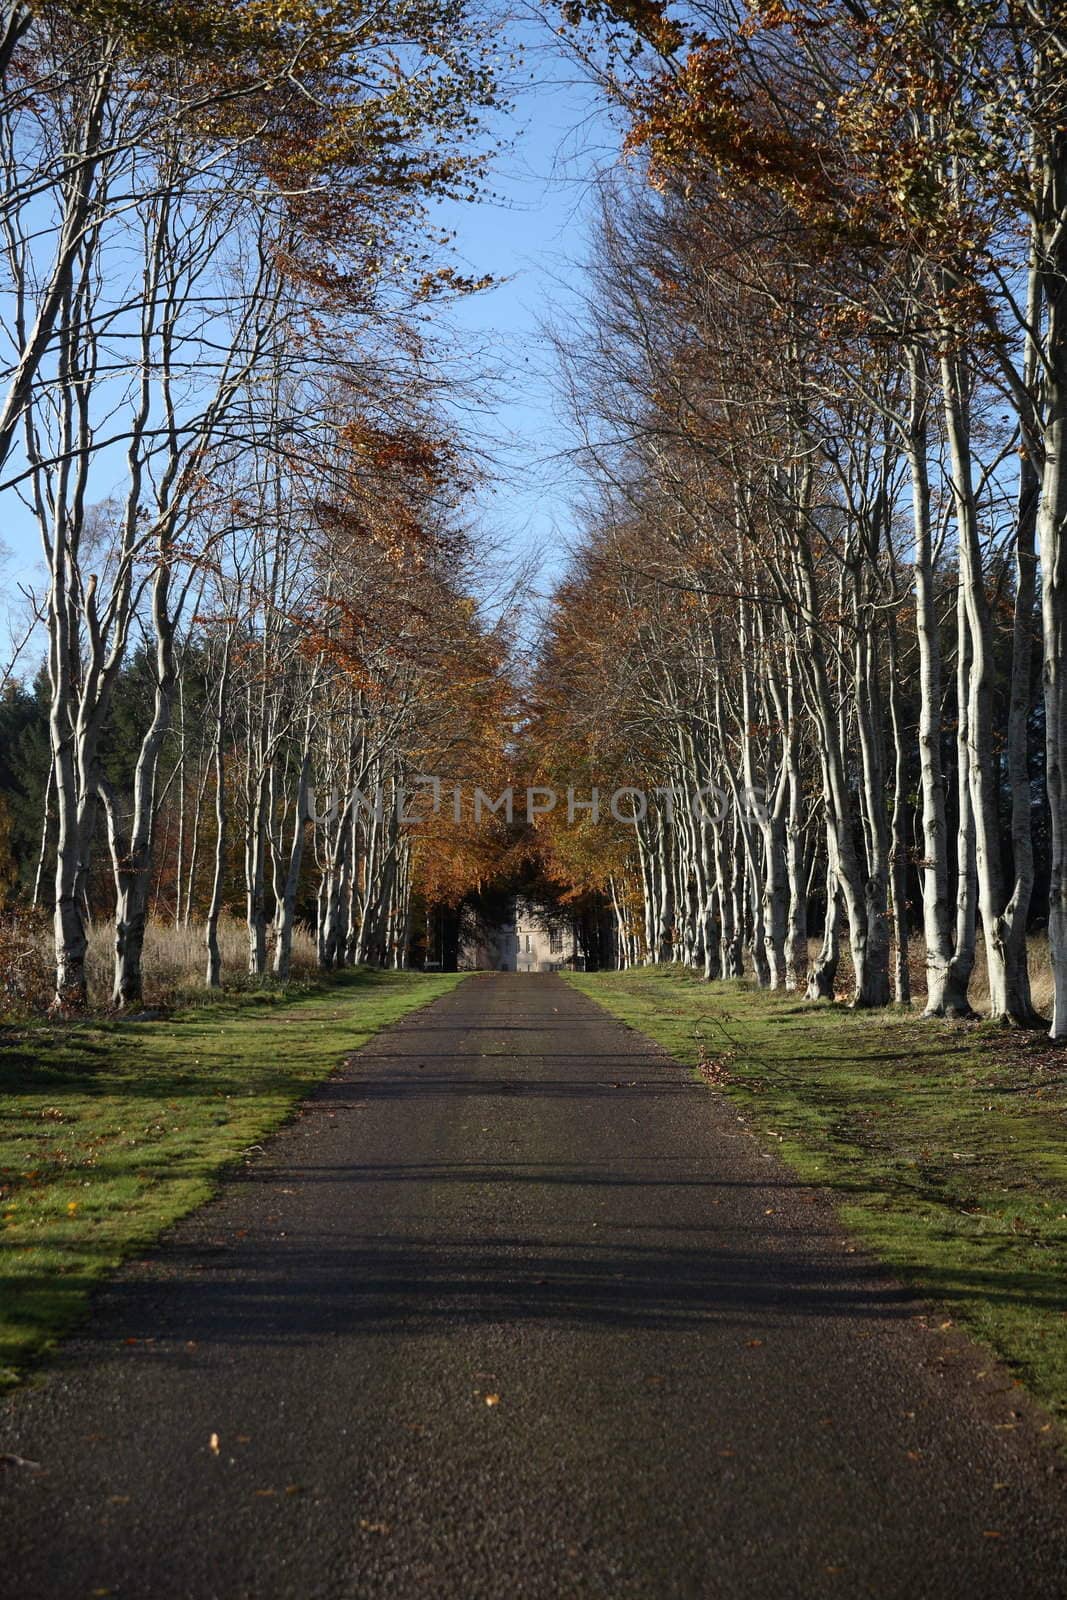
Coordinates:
(525, 942)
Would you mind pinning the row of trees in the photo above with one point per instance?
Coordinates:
(823, 387)
(222, 412)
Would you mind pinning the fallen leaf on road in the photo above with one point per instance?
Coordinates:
(373, 1527)
(213, 1444)
(753, 1344)
(991, 1533)
(492, 1399)
(265, 1494)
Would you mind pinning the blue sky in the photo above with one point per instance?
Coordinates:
(534, 234)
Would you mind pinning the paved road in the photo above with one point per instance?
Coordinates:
(515, 1309)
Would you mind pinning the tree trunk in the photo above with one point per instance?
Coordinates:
(1052, 542)
(822, 979)
(1009, 1002)
(131, 856)
(899, 862)
(961, 964)
(283, 942)
(796, 944)
(934, 868)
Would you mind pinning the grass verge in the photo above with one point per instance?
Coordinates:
(944, 1144)
(110, 1131)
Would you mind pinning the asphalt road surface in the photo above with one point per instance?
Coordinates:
(515, 1308)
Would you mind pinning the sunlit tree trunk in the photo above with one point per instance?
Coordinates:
(1052, 543)
(934, 867)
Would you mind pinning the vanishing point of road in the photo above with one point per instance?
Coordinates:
(515, 1309)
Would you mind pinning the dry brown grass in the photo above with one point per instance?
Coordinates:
(1040, 976)
(175, 959)
(1040, 972)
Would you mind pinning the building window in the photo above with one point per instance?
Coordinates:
(555, 941)
(527, 944)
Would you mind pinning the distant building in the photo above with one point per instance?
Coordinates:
(525, 941)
